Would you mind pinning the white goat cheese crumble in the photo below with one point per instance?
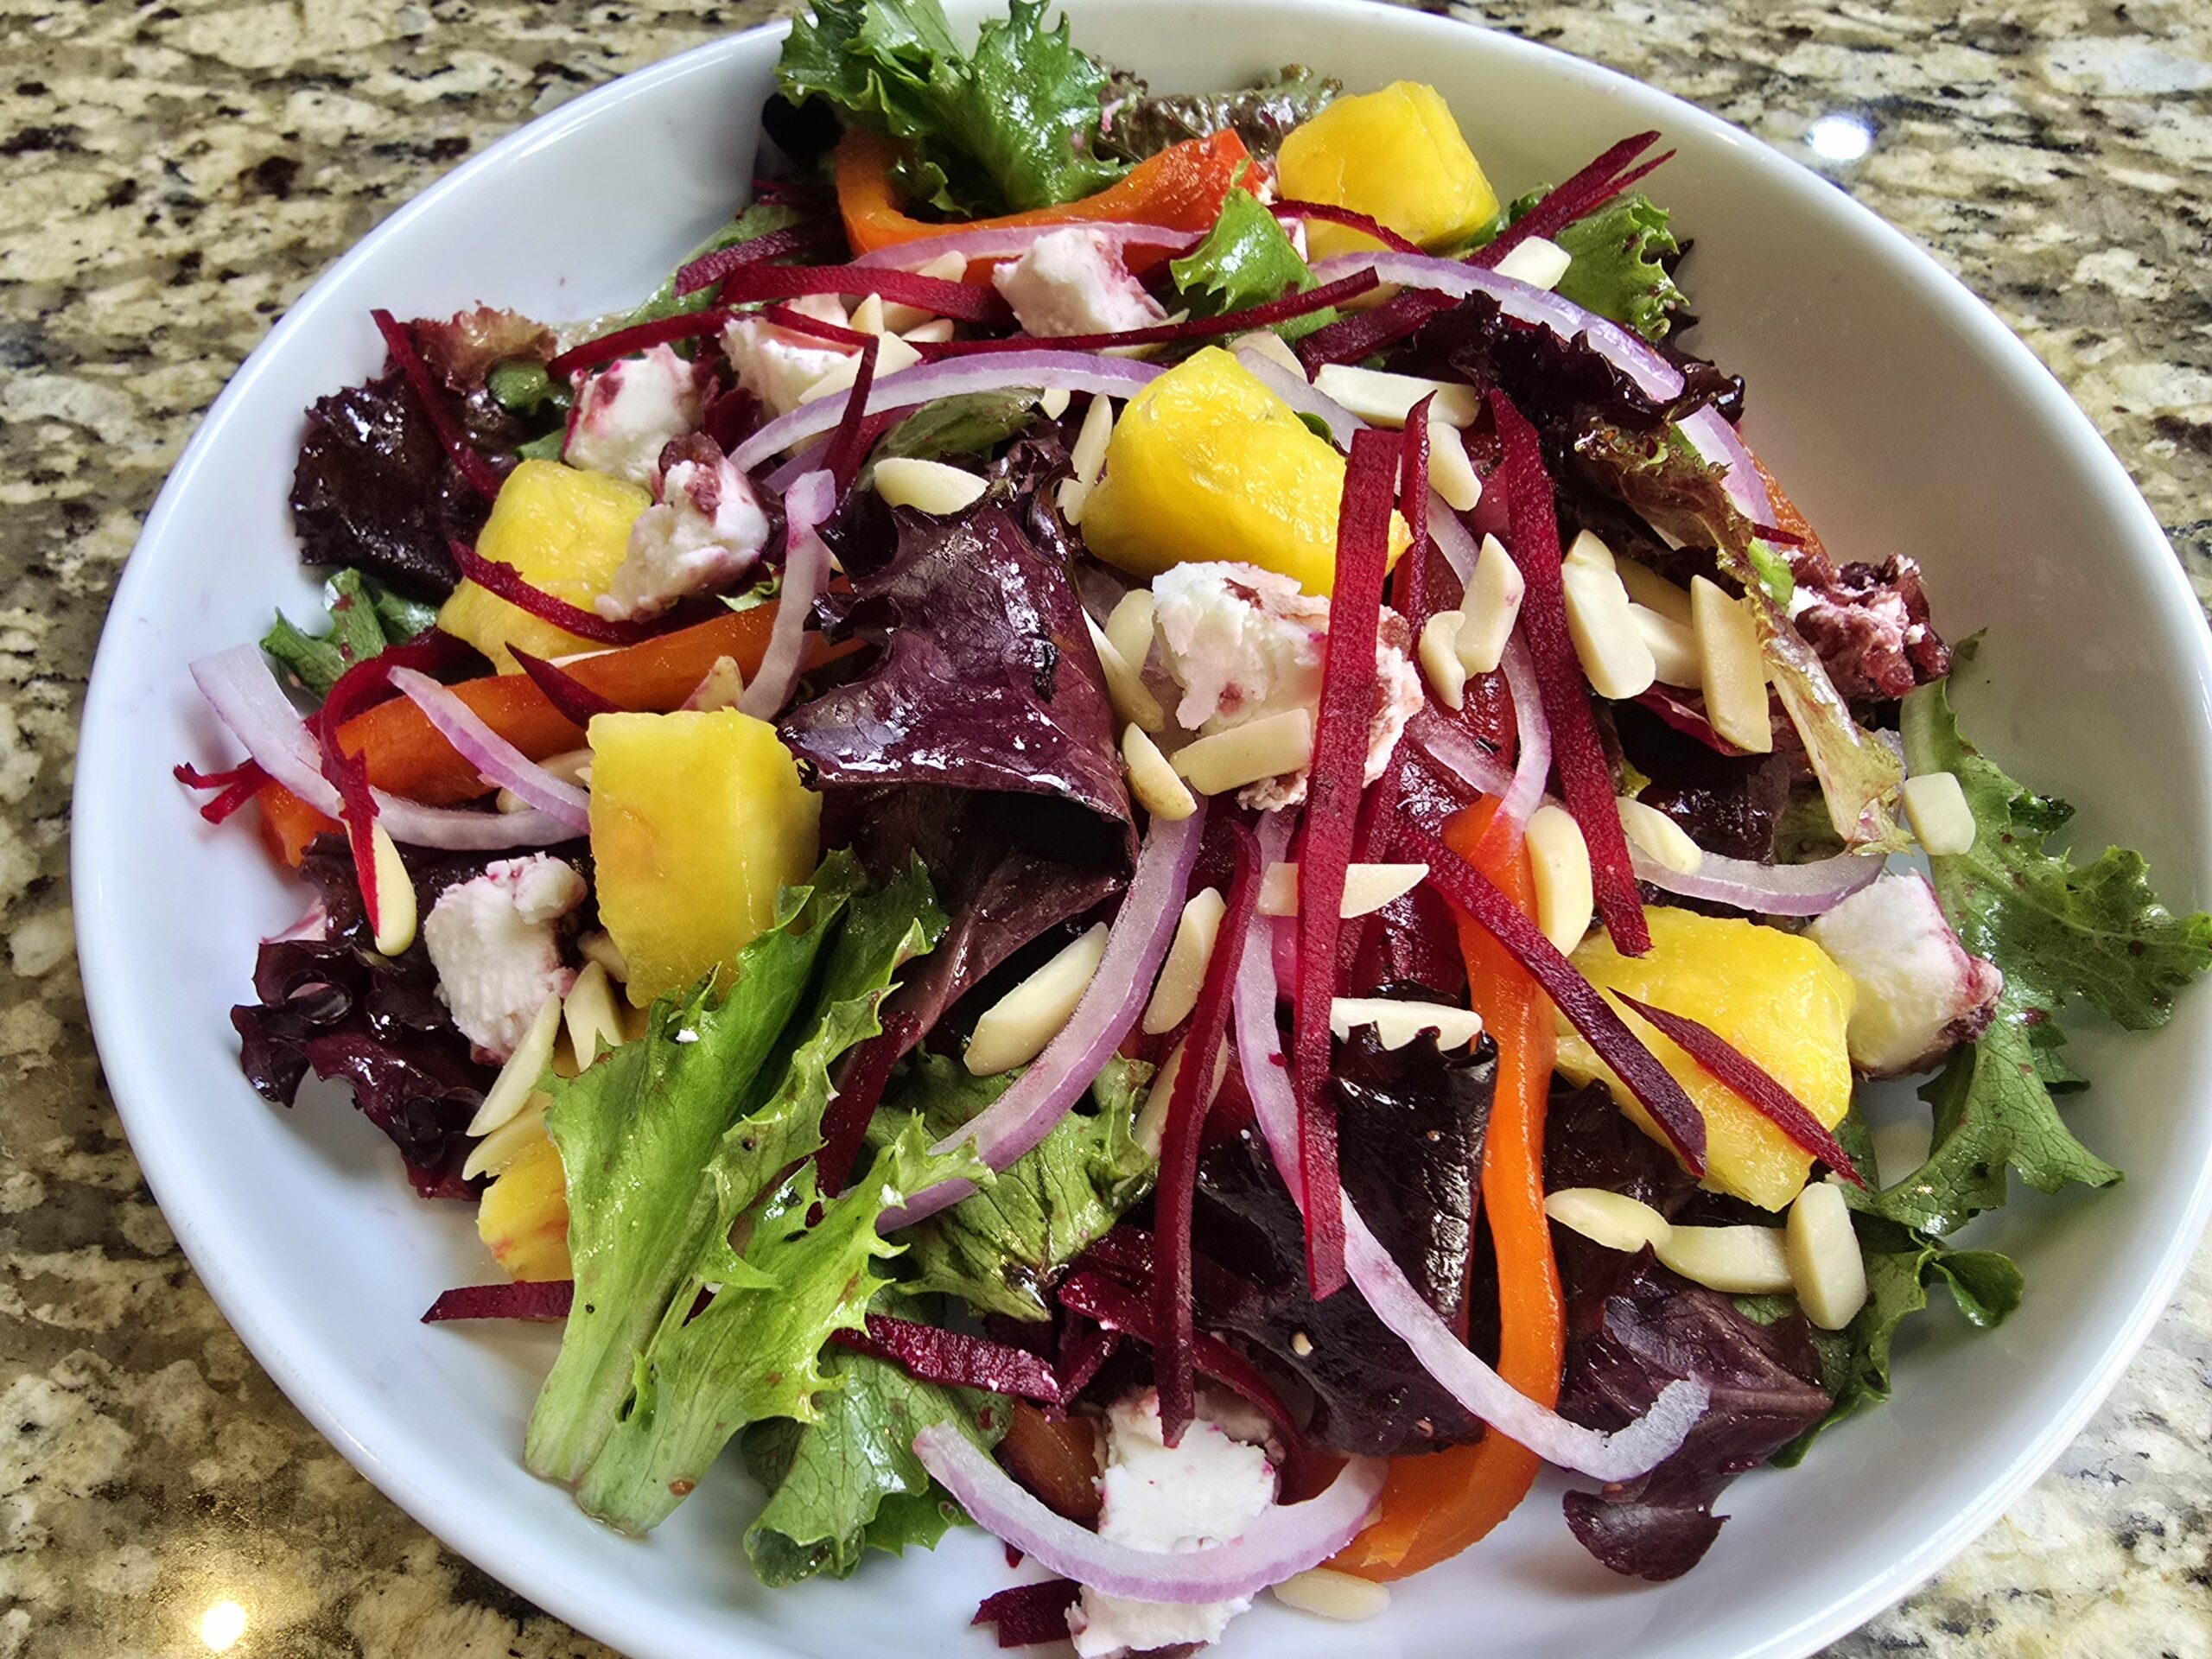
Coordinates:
(706, 531)
(626, 412)
(1073, 282)
(498, 954)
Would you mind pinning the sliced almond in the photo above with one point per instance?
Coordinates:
(1439, 659)
(1490, 609)
(903, 319)
(1615, 659)
(1328, 1593)
(1014, 1030)
(1660, 837)
(1825, 1261)
(397, 911)
(1130, 627)
(1941, 817)
(1732, 670)
(892, 354)
(1367, 887)
(1560, 860)
(519, 1076)
(1451, 473)
(1397, 1023)
(1538, 262)
(1132, 700)
(1088, 453)
(1653, 591)
(1176, 992)
(1735, 1261)
(870, 317)
(1054, 402)
(1153, 778)
(1266, 747)
(1384, 399)
(1612, 1219)
(1152, 1120)
(1672, 646)
(926, 486)
(935, 332)
(1265, 342)
(590, 1015)
(598, 946)
(510, 1139)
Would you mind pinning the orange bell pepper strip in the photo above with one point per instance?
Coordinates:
(1437, 1505)
(407, 757)
(1182, 187)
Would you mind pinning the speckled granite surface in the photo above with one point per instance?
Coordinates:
(171, 175)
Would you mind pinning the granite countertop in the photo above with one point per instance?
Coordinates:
(173, 175)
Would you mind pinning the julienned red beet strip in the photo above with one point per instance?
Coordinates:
(1180, 1140)
(860, 1090)
(1083, 1349)
(710, 268)
(1351, 220)
(1466, 889)
(236, 786)
(509, 583)
(1362, 335)
(546, 1298)
(751, 283)
(1126, 1256)
(401, 346)
(1030, 1614)
(951, 1357)
(1098, 1298)
(1585, 778)
(799, 323)
(1743, 1076)
(573, 700)
(1336, 780)
(1229, 322)
(1591, 188)
(849, 446)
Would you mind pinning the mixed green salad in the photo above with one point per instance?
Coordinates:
(1138, 823)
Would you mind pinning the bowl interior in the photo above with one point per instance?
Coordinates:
(1901, 417)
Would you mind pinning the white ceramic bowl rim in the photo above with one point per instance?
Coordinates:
(414, 1474)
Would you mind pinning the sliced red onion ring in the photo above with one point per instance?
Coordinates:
(1287, 1538)
(1619, 1456)
(1456, 750)
(1009, 241)
(1716, 441)
(1655, 376)
(1766, 889)
(1119, 377)
(246, 698)
(1136, 946)
(496, 762)
(1451, 538)
(806, 572)
(1533, 734)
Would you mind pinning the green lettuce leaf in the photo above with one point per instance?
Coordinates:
(2097, 933)
(1619, 268)
(1008, 128)
(966, 423)
(1901, 1266)
(1245, 260)
(994, 1249)
(366, 616)
(849, 1481)
(668, 1142)
(1675, 490)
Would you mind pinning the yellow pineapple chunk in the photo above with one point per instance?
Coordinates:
(696, 820)
(1396, 156)
(1207, 463)
(523, 1216)
(1777, 997)
(566, 532)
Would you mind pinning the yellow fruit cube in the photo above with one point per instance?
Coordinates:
(696, 820)
(1777, 997)
(1396, 156)
(1207, 463)
(523, 1216)
(566, 532)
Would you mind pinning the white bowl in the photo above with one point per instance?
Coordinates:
(1900, 413)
